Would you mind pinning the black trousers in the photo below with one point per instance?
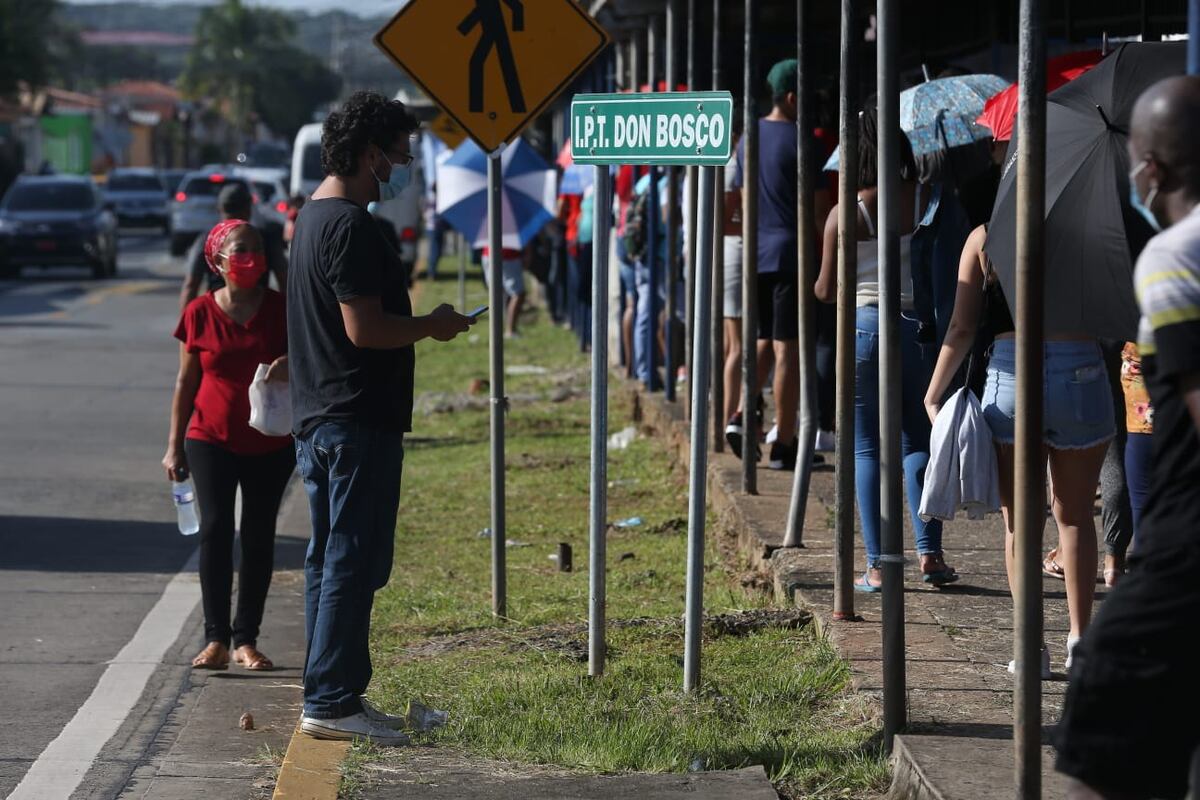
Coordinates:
(217, 473)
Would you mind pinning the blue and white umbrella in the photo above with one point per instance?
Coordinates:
(527, 193)
(939, 115)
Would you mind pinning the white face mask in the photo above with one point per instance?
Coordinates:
(396, 183)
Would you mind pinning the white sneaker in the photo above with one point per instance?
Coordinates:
(773, 434)
(377, 717)
(1071, 642)
(1046, 674)
(826, 442)
(355, 726)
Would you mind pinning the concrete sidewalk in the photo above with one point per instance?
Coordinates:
(200, 750)
(958, 639)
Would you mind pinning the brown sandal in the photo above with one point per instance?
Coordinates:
(214, 656)
(249, 657)
(1051, 568)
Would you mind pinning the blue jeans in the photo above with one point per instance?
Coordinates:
(645, 325)
(1139, 462)
(916, 368)
(352, 476)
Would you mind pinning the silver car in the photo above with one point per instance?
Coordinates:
(194, 208)
(137, 198)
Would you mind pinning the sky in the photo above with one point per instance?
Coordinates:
(366, 8)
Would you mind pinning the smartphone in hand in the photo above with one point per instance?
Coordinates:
(477, 313)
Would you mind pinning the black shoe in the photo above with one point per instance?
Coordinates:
(734, 432)
(783, 456)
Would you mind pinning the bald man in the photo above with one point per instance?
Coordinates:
(1131, 724)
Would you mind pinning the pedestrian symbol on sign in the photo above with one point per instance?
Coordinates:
(488, 16)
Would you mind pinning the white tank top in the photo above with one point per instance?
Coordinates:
(867, 287)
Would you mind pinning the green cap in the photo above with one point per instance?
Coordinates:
(782, 77)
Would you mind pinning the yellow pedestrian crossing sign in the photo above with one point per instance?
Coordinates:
(492, 65)
(445, 128)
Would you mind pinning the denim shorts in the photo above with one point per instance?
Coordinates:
(1078, 406)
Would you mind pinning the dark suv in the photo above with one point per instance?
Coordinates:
(56, 220)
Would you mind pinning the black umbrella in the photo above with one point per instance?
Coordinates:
(1092, 234)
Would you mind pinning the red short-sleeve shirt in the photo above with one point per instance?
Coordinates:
(229, 356)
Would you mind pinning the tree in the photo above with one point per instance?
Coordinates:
(32, 42)
(245, 59)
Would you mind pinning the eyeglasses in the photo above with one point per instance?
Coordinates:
(402, 159)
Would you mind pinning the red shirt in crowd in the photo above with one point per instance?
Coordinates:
(229, 356)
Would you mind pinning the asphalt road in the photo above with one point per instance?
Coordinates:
(87, 535)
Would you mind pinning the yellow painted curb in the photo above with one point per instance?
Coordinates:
(311, 769)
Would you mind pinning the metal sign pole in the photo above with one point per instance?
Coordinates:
(718, 265)
(891, 501)
(1193, 47)
(496, 347)
(597, 560)
(843, 537)
(698, 467)
(750, 257)
(807, 255)
(1029, 480)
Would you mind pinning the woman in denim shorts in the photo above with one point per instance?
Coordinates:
(1078, 422)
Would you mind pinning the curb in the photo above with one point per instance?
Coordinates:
(311, 770)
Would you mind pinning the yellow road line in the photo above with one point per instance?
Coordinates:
(311, 769)
(133, 287)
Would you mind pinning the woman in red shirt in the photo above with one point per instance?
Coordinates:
(224, 336)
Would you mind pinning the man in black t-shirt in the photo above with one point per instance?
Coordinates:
(351, 332)
(1129, 725)
(234, 202)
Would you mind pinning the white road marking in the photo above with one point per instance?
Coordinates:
(61, 767)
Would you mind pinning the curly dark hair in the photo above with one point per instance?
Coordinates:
(366, 118)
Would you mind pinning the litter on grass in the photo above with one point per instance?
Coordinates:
(622, 438)
(631, 522)
(525, 369)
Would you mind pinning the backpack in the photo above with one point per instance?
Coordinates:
(635, 227)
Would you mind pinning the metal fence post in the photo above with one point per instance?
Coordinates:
(463, 249)
(672, 260)
(653, 213)
(689, 263)
(499, 403)
(1029, 480)
(718, 264)
(891, 502)
(1193, 52)
(597, 561)
(698, 467)
(750, 257)
(807, 244)
(843, 565)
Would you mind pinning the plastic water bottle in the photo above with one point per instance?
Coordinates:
(185, 507)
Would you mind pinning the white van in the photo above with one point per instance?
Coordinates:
(306, 160)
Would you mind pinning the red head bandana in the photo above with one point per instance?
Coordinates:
(216, 240)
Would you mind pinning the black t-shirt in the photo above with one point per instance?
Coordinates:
(338, 253)
(1168, 286)
(272, 236)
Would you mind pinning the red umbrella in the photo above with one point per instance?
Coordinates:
(1000, 112)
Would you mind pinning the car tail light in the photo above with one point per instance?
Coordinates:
(216, 177)
(180, 197)
(408, 235)
(281, 206)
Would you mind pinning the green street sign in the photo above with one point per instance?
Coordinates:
(662, 128)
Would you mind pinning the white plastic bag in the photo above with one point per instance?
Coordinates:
(270, 405)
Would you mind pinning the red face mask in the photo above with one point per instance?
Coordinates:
(245, 269)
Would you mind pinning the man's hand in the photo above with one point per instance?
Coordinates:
(445, 323)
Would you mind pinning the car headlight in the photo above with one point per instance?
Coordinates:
(9, 226)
